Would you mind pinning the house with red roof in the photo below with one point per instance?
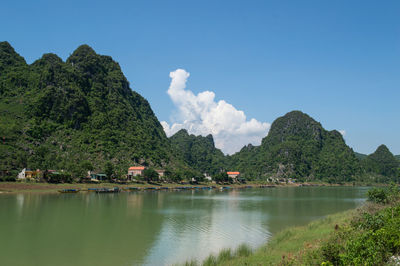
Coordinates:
(135, 171)
(233, 175)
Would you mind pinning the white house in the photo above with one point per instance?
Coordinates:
(207, 177)
(22, 174)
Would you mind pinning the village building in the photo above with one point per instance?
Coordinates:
(28, 173)
(160, 173)
(22, 174)
(95, 177)
(135, 171)
(233, 175)
(207, 177)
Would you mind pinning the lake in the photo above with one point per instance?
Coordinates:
(155, 228)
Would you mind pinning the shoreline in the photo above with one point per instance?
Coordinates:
(35, 187)
(26, 187)
(287, 247)
(336, 239)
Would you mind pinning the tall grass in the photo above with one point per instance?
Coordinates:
(223, 257)
(243, 251)
(210, 261)
(191, 263)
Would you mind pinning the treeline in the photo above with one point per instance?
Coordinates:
(61, 115)
(55, 114)
(296, 146)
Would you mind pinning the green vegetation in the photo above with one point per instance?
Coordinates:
(82, 115)
(150, 174)
(383, 164)
(225, 256)
(369, 235)
(55, 114)
(297, 146)
(371, 238)
(199, 152)
(221, 177)
(287, 247)
(360, 156)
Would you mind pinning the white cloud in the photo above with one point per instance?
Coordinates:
(343, 132)
(201, 115)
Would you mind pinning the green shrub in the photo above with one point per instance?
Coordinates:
(331, 251)
(377, 195)
(370, 240)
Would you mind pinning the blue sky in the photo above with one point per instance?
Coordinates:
(338, 61)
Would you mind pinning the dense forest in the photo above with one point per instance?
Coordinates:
(81, 115)
(199, 152)
(75, 115)
(297, 146)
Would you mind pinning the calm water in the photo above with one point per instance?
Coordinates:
(154, 228)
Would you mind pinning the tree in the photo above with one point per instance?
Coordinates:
(221, 177)
(87, 165)
(109, 169)
(150, 174)
(77, 171)
(176, 177)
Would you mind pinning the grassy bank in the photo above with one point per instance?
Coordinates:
(292, 244)
(369, 235)
(286, 246)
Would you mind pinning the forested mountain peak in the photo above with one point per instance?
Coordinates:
(382, 162)
(8, 56)
(293, 124)
(298, 146)
(48, 58)
(82, 53)
(382, 150)
(182, 132)
(56, 114)
(199, 152)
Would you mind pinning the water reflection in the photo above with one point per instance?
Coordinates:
(154, 228)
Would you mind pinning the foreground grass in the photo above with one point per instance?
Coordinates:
(290, 246)
(369, 235)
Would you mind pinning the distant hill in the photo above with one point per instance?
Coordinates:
(298, 146)
(56, 115)
(382, 162)
(360, 155)
(82, 114)
(199, 152)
